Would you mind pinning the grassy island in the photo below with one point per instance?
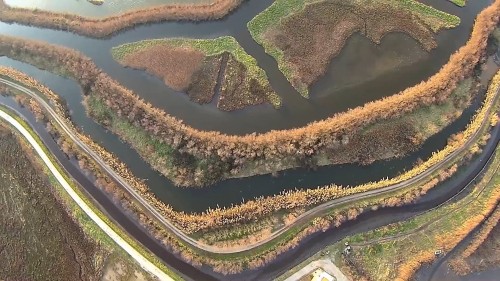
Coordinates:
(303, 35)
(202, 68)
(460, 3)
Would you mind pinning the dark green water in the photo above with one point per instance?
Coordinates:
(351, 80)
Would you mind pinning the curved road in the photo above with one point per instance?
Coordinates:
(187, 270)
(304, 218)
(137, 256)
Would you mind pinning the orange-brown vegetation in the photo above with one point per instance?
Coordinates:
(175, 66)
(223, 266)
(310, 38)
(300, 143)
(286, 201)
(246, 212)
(449, 240)
(459, 263)
(109, 25)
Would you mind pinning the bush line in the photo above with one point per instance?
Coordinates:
(98, 28)
(228, 154)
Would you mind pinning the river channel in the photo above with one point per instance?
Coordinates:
(342, 87)
(358, 75)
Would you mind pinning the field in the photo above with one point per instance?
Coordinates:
(195, 65)
(303, 36)
(35, 231)
(40, 240)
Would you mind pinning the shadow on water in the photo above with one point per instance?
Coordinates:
(358, 75)
(233, 191)
(312, 244)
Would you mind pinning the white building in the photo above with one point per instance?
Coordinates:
(320, 275)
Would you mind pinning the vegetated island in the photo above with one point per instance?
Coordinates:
(237, 225)
(96, 2)
(304, 35)
(102, 27)
(202, 68)
(460, 3)
(191, 157)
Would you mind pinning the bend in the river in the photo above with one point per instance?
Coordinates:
(330, 95)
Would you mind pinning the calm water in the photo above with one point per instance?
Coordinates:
(362, 72)
(85, 8)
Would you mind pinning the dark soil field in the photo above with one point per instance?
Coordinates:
(310, 39)
(38, 239)
(203, 82)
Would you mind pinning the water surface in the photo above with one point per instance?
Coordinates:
(87, 9)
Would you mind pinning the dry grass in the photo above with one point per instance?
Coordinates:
(36, 232)
(309, 39)
(109, 25)
(175, 66)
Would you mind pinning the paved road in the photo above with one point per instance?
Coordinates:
(302, 219)
(187, 270)
(138, 257)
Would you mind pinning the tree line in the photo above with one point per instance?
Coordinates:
(231, 152)
(106, 26)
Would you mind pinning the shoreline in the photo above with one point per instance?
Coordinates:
(103, 27)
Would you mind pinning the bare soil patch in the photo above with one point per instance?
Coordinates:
(311, 38)
(204, 81)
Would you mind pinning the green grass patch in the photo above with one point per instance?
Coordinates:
(460, 3)
(209, 47)
(408, 238)
(273, 16)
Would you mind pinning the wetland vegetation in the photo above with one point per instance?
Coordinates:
(195, 65)
(191, 157)
(303, 36)
(41, 236)
(106, 26)
(205, 68)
